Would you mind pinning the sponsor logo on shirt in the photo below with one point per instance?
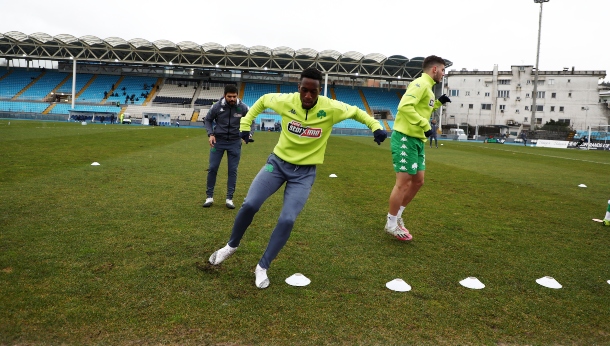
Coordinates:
(296, 128)
(293, 111)
(431, 103)
(321, 114)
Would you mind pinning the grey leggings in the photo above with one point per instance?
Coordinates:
(276, 172)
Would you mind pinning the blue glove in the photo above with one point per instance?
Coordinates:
(245, 135)
(444, 99)
(428, 133)
(380, 136)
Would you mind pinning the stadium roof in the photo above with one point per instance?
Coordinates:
(187, 54)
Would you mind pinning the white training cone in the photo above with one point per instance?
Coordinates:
(472, 282)
(298, 279)
(582, 185)
(398, 285)
(95, 164)
(549, 282)
(333, 175)
(84, 123)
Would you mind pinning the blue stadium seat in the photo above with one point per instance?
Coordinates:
(254, 91)
(23, 107)
(43, 86)
(134, 85)
(16, 81)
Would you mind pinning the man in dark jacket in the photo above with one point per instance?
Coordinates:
(226, 115)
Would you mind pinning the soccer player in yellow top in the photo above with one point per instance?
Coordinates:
(307, 121)
(411, 127)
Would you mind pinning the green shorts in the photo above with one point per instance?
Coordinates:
(408, 154)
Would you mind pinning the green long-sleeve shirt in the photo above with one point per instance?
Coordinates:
(415, 108)
(305, 132)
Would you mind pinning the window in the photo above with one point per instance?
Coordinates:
(540, 94)
(487, 94)
(454, 93)
(462, 105)
(529, 81)
(552, 108)
(527, 108)
(551, 81)
(561, 108)
(503, 93)
(486, 106)
(468, 93)
(470, 106)
(516, 111)
(569, 80)
(553, 95)
(521, 68)
(569, 94)
(504, 81)
(538, 121)
(539, 108)
(502, 107)
(525, 119)
(564, 121)
(478, 93)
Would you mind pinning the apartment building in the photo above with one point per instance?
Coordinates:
(505, 97)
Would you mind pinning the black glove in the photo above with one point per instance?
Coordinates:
(444, 99)
(380, 136)
(428, 133)
(245, 135)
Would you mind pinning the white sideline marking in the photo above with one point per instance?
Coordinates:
(553, 156)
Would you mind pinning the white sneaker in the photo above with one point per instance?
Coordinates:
(262, 281)
(220, 255)
(398, 232)
(208, 202)
(229, 204)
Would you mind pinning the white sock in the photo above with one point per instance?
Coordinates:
(391, 223)
(400, 210)
(607, 215)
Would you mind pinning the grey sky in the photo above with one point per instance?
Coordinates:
(471, 33)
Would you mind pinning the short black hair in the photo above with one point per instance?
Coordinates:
(230, 89)
(313, 73)
(432, 60)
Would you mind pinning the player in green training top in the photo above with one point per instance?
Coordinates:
(411, 127)
(307, 121)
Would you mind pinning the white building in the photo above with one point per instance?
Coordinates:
(505, 97)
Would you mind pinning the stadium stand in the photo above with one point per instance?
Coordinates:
(349, 96)
(135, 87)
(23, 107)
(43, 87)
(63, 108)
(176, 92)
(137, 112)
(289, 88)
(94, 91)
(16, 81)
(382, 99)
(90, 90)
(209, 96)
(81, 80)
(253, 91)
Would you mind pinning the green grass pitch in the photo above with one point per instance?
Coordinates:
(116, 254)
